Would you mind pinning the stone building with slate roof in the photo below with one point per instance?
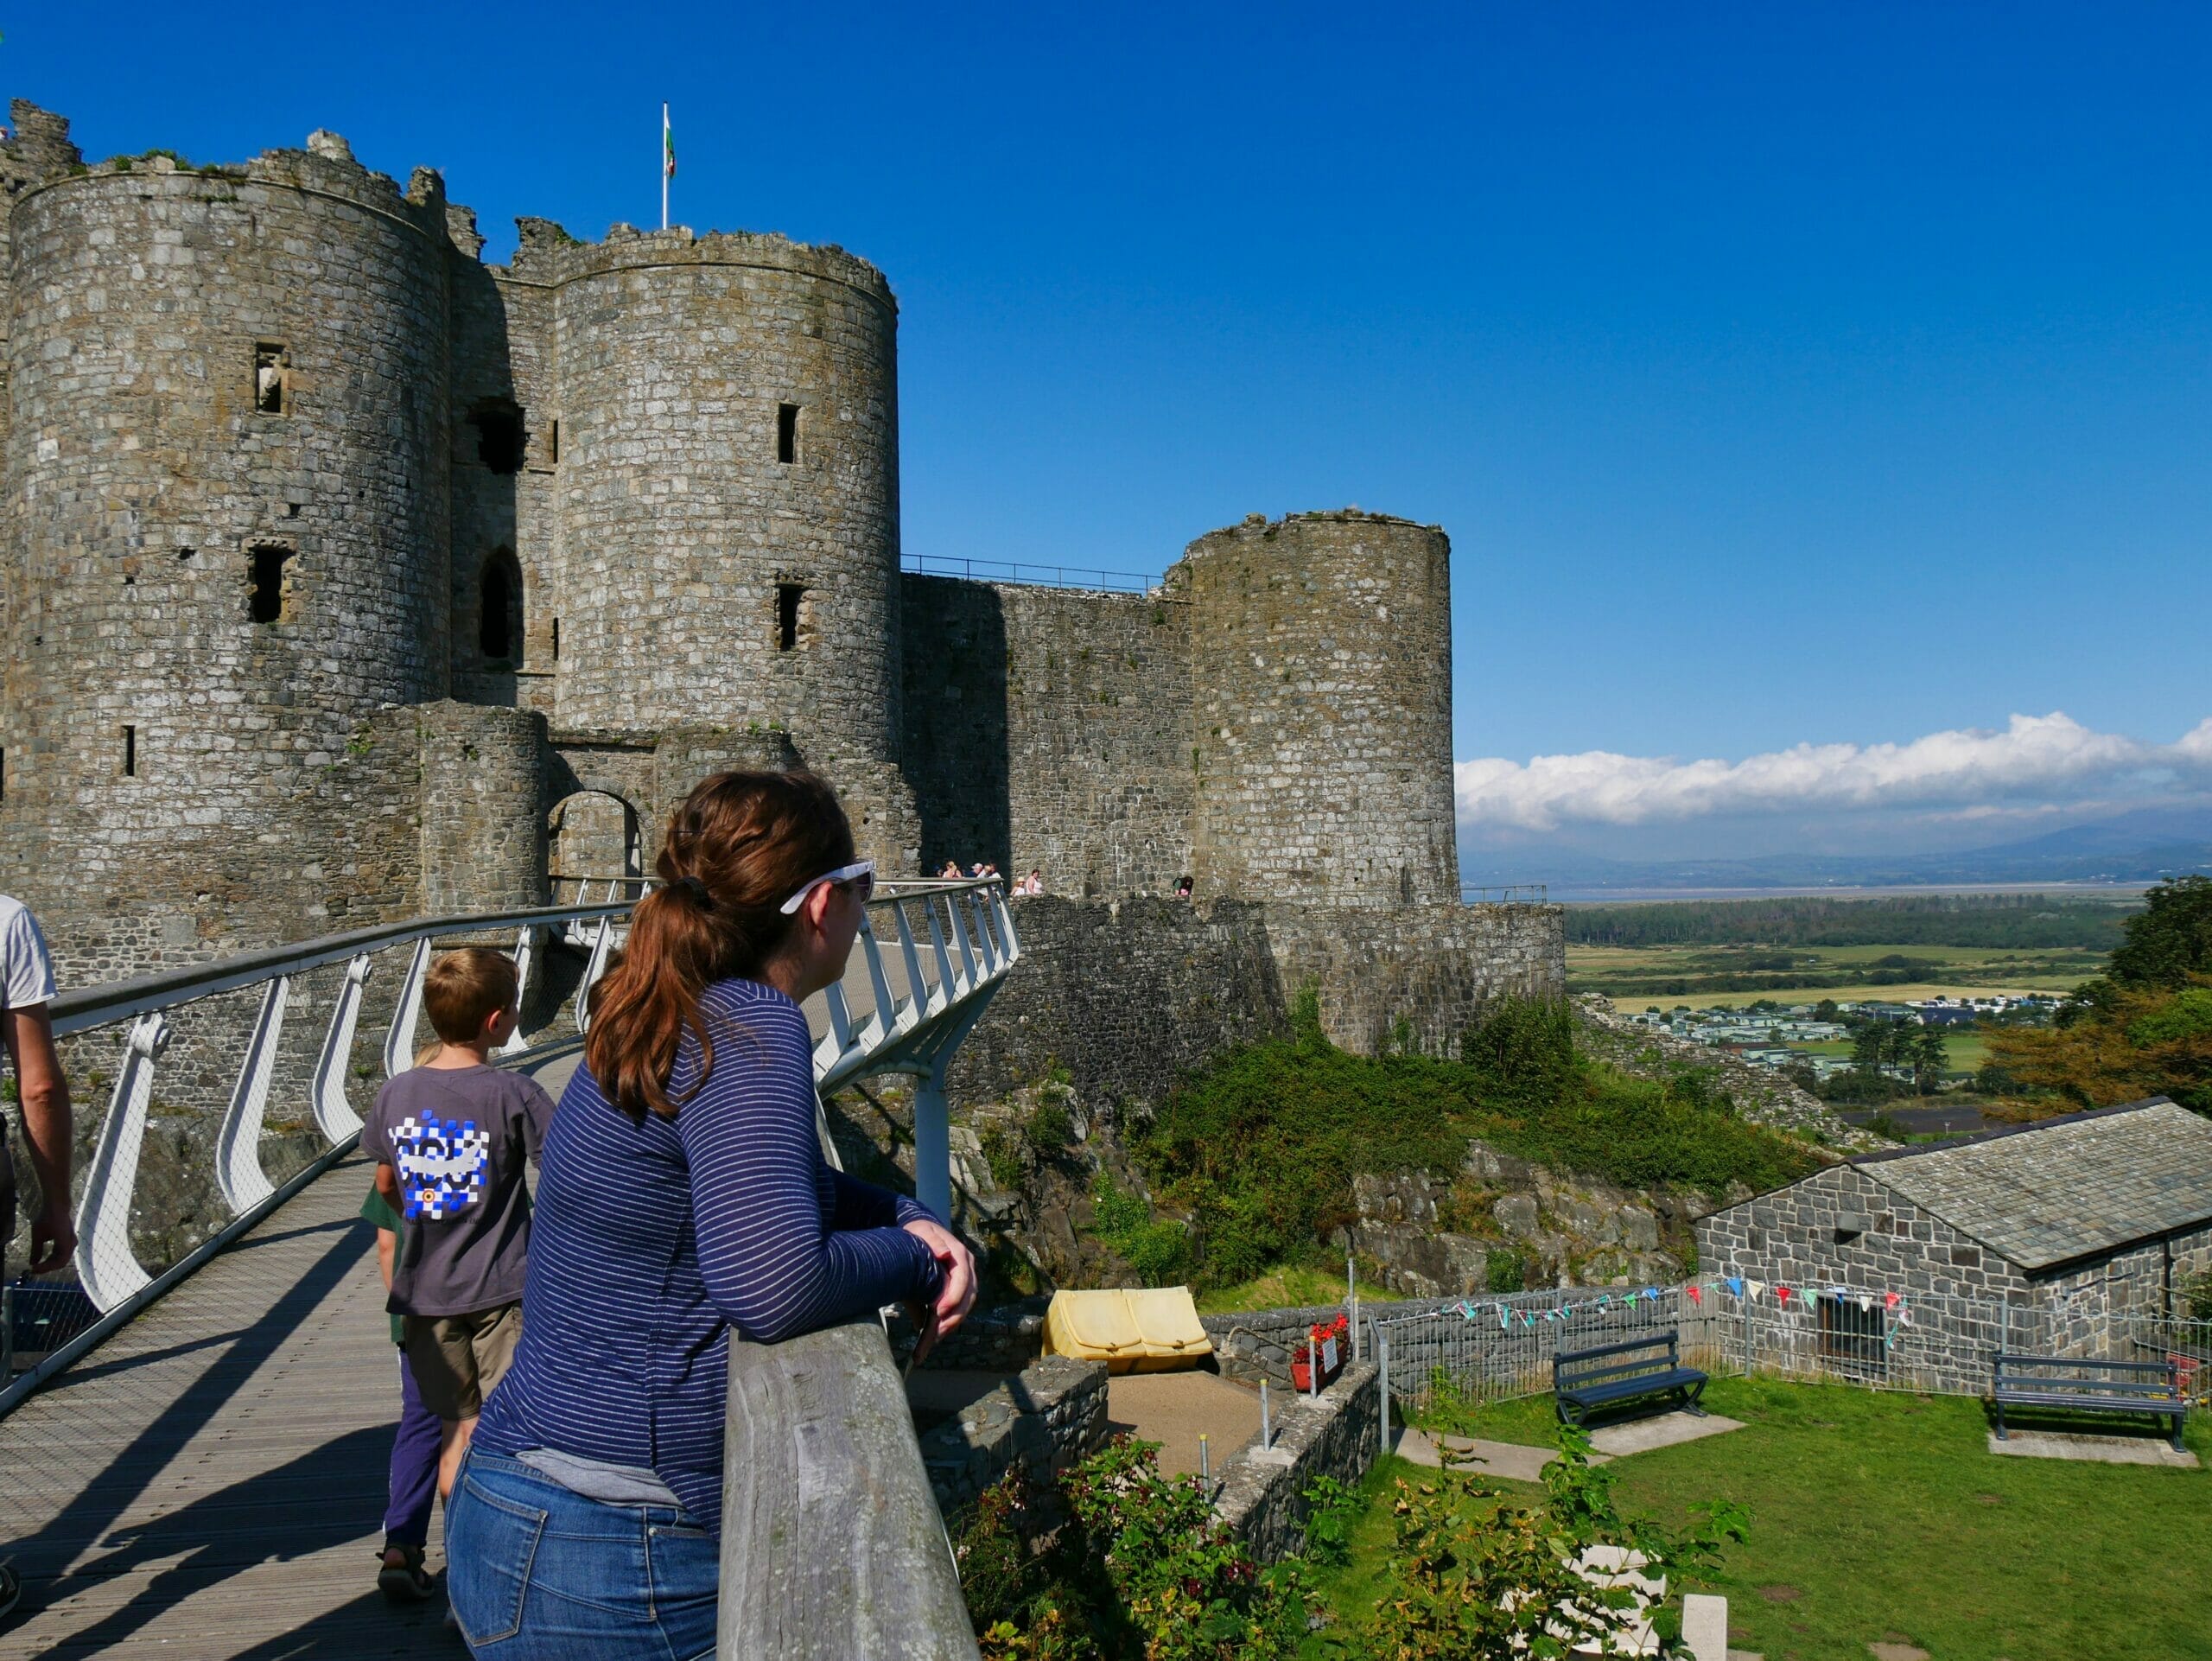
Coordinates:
(2060, 1237)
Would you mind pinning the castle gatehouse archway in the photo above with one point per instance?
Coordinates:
(594, 833)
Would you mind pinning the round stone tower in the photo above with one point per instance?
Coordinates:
(729, 490)
(229, 472)
(1321, 693)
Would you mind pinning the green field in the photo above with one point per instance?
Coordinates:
(1732, 976)
(1882, 1519)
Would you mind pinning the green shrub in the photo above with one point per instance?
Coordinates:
(1329, 1523)
(1505, 1271)
(1003, 1153)
(1140, 1568)
(1466, 1577)
(1522, 1052)
(1158, 1250)
(1049, 1130)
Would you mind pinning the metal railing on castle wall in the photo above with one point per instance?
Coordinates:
(1509, 894)
(1029, 576)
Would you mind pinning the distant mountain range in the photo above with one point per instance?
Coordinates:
(2132, 850)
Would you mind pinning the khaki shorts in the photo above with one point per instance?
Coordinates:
(456, 1360)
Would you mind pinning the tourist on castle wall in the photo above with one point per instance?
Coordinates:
(42, 1095)
(683, 1196)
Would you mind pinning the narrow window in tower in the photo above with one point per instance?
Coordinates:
(3, 775)
(130, 752)
(787, 596)
(269, 599)
(270, 363)
(498, 615)
(553, 443)
(787, 432)
(556, 639)
(500, 435)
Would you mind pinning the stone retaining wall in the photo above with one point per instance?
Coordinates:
(1262, 1495)
(1045, 1419)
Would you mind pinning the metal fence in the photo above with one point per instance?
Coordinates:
(1496, 1347)
(1509, 894)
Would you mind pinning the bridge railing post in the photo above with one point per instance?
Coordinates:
(333, 1112)
(399, 1041)
(238, 1175)
(107, 1264)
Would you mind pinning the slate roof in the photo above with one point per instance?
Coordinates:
(2042, 1194)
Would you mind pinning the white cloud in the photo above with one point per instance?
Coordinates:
(2050, 756)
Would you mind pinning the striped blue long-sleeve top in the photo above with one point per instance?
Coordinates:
(650, 1242)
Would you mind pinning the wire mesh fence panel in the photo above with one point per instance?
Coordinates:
(1501, 1346)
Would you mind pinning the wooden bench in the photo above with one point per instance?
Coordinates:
(2062, 1382)
(1585, 1379)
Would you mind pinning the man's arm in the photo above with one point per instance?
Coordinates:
(387, 1249)
(388, 1186)
(44, 1092)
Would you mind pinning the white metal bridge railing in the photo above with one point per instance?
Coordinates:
(930, 955)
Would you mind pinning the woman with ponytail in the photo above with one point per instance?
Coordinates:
(683, 1204)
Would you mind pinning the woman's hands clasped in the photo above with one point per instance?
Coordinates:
(956, 1296)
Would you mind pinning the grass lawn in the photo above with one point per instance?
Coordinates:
(1883, 1515)
(1288, 1286)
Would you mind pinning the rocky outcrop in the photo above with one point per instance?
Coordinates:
(1504, 1224)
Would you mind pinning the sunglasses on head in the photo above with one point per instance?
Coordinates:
(860, 875)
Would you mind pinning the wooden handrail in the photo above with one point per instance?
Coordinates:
(832, 1547)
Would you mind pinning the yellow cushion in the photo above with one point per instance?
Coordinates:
(1168, 1321)
(1097, 1325)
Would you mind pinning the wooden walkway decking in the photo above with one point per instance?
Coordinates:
(210, 1482)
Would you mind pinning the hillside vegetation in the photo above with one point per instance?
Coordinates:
(1260, 1149)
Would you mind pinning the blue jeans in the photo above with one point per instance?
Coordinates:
(536, 1572)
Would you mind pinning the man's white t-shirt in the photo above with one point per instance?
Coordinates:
(26, 979)
(26, 966)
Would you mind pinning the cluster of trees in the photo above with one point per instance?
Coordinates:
(2026, 921)
(2144, 1029)
(1888, 1059)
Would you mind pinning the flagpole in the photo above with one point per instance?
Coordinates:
(663, 167)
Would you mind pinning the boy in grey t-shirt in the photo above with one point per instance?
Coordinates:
(450, 1138)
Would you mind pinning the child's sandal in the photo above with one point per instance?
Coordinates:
(407, 1583)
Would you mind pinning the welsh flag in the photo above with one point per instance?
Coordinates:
(668, 148)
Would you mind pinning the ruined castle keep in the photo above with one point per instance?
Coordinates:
(349, 578)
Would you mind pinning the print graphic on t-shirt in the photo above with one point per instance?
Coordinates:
(441, 1164)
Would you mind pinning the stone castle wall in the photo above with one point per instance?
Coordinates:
(1049, 729)
(1416, 978)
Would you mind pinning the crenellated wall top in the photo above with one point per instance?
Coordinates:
(546, 253)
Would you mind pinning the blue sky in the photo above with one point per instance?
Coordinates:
(1786, 376)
